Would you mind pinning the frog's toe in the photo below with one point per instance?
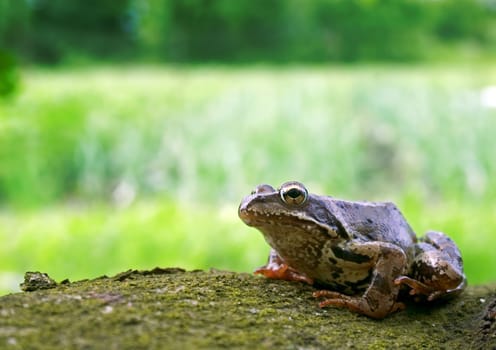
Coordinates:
(417, 287)
(422, 291)
(271, 271)
(283, 272)
(332, 298)
(328, 294)
(338, 300)
(357, 304)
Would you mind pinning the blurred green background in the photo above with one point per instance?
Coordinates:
(130, 130)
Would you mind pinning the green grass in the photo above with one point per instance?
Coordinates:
(104, 169)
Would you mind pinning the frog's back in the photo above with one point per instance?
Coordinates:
(373, 221)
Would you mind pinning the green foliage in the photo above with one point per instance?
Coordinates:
(364, 30)
(9, 78)
(225, 30)
(245, 31)
(461, 19)
(49, 31)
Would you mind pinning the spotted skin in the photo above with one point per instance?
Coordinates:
(361, 253)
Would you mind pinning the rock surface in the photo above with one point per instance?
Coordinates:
(174, 309)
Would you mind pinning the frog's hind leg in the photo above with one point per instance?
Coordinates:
(380, 298)
(437, 269)
(276, 268)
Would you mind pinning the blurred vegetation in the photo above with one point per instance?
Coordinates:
(54, 31)
(167, 130)
(140, 166)
(108, 168)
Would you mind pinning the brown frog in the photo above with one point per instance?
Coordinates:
(362, 253)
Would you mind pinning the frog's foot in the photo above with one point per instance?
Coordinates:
(437, 269)
(356, 304)
(282, 272)
(418, 288)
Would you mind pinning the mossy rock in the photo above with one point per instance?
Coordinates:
(174, 309)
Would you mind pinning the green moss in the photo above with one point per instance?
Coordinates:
(171, 308)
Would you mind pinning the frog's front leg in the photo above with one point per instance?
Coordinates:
(276, 268)
(387, 262)
(437, 268)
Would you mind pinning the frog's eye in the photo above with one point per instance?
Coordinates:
(293, 193)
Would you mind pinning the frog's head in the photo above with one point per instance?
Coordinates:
(288, 208)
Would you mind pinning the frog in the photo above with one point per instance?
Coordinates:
(359, 255)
